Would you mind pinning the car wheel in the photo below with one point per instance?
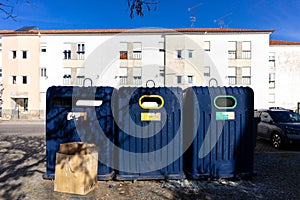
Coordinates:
(276, 141)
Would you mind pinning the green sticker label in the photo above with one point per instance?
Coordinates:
(225, 116)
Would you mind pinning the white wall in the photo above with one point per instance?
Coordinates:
(287, 76)
(102, 58)
(217, 58)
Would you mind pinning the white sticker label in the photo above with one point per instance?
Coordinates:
(76, 115)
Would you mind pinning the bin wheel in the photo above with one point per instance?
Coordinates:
(276, 141)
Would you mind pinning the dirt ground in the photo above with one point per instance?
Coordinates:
(22, 165)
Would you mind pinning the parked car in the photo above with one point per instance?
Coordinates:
(281, 127)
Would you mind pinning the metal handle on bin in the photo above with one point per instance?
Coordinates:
(91, 81)
(150, 81)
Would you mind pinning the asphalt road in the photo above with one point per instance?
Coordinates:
(22, 127)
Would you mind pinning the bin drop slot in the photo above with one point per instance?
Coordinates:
(225, 102)
(62, 102)
(151, 102)
(89, 103)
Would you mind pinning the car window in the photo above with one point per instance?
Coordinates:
(285, 116)
(264, 116)
(257, 114)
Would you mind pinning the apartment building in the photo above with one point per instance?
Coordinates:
(34, 60)
(284, 73)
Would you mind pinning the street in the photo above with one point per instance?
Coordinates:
(22, 127)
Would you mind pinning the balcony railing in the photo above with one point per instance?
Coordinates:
(123, 80)
(232, 80)
(246, 55)
(246, 80)
(231, 54)
(137, 80)
(137, 55)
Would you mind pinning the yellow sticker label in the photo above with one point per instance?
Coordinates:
(150, 116)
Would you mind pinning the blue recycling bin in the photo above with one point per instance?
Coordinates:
(80, 114)
(149, 133)
(220, 122)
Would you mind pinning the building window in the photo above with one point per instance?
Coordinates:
(43, 72)
(14, 80)
(179, 54)
(137, 75)
(246, 75)
(231, 50)
(67, 79)
(272, 60)
(179, 79)
(232, 76)
(137, 55)
(123, 71)
(190, 53)
(43, 47)
(123, 55)
(206, 71)
(137, 51)
(137, 80)
(272, 80)
(206, 45)
(272, 57)
(24, 80)
(123, 80)
(271, 98)
(67, 54)
(80, 51)
(25, 104)
(123, 51)
(161, 46)
(13, 54)
(79, 80)
(24, 54)
(246, 50)
(190, 79)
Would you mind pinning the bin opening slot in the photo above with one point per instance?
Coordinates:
(90, 103)
(151, 102)
(62, 101)
(225, 102)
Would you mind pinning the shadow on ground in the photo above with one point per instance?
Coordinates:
(20, 157)
(22, 164)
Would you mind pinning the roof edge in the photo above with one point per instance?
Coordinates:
(143, 30)
(283, 42)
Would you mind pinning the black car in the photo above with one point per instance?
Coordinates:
(281, 127)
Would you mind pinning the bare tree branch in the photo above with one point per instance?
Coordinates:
(8, 8)
(137, 6)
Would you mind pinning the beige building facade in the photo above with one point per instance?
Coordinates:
(20, 76)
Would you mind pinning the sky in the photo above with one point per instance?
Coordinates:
(283, 16)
